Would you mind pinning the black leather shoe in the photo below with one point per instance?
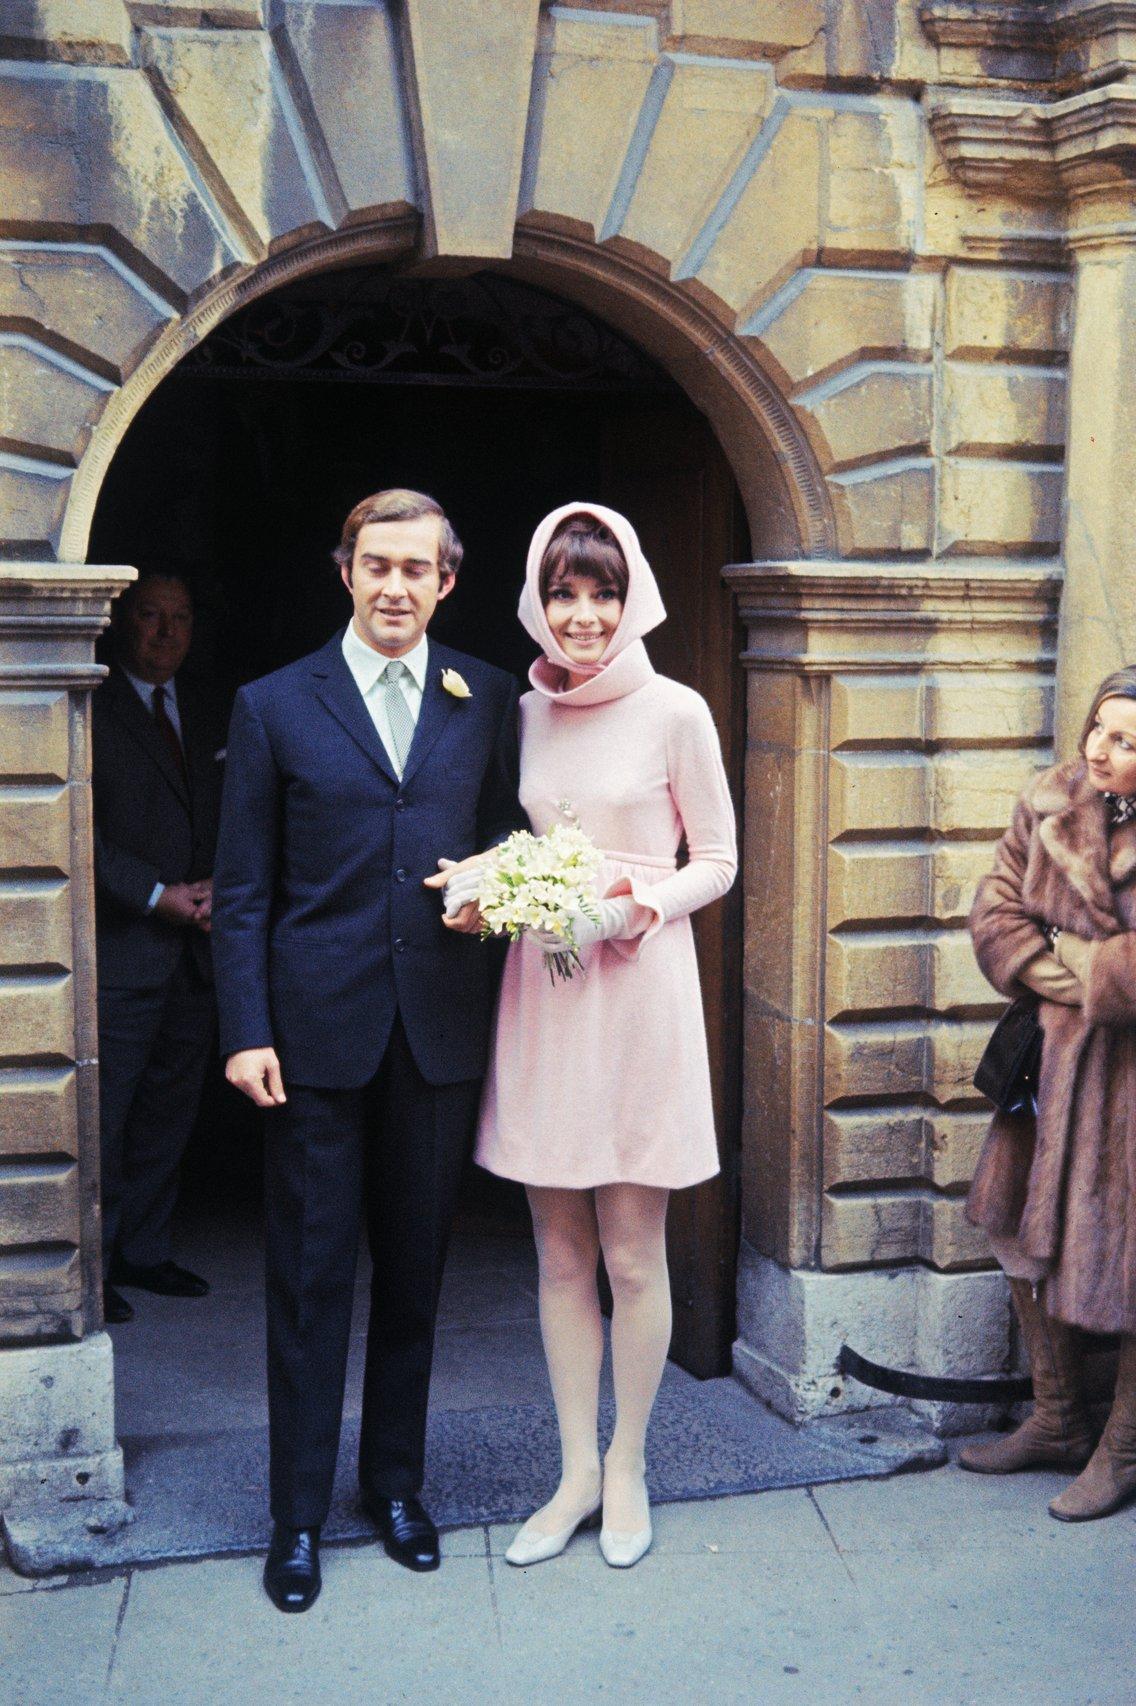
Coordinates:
(292, 1569)
(408, 1535)
(116, 1310)
(166, 1278)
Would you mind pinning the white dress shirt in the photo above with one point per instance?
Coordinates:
(145, 692)
(367, 667)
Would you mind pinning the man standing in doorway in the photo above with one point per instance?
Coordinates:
(353, 1014)
(155, 782)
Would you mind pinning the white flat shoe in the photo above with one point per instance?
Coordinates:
(623, 1550)
(535, 1548)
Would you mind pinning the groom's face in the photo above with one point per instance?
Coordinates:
(395, 582)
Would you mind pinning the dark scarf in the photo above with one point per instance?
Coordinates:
(1121, 808)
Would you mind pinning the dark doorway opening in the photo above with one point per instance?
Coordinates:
(503, 401)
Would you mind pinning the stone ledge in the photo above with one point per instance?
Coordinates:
(72, 1535)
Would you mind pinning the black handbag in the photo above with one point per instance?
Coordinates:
(1010, 1067)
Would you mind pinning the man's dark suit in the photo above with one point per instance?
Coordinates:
(328, 948)
(156, 1023)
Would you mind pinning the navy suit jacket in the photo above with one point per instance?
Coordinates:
(322, 929)
(150, 827)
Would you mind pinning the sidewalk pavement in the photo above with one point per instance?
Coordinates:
(936, 1589)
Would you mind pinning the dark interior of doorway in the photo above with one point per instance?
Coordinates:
(501, 400)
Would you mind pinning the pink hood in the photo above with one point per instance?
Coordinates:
(625, 664)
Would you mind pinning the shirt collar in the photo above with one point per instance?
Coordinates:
(145, 689)
(366, 665)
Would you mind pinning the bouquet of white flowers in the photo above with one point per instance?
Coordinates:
(541, 882)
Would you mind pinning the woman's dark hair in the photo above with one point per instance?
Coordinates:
(582, 545)
(1121, 684)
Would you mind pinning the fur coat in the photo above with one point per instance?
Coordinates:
(1065, 1186)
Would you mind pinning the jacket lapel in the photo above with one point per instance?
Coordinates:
(336, 687)
(434, 713)
(134, 716)
(1077, 840)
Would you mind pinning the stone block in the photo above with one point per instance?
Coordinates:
(831, 321)
(35, 925)
(989, 507)
(39, 1204)
(876, 710)
(882, 971)
(958, 708)
(885, 509)
(770, 230)
(38, 1111)
(33, 497)
(991, 409)
(592, 75)
(792, 1323)
(82, 296)
(35, 826)
(878, 790)
(473, 85)
(869, 1229)
(881, 43)
(871, 881)
(991, 312)
(347, 58)
(96, 33)
(46, 401)
(978, 790)
(36, 740)
(873, 187)
(220, 93)
(868, 1145)
(740, 24)
(58, 1438)
(872, 414)
(902, 1058)
(92, 149)
(709, 117)
(36, 1016)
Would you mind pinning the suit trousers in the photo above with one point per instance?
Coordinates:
(392, 1150)
(154, 1046)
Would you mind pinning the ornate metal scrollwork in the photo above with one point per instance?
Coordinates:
(380, 328)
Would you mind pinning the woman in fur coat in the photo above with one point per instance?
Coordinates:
(1057, 1195)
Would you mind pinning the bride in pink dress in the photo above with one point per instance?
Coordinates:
(598, 1092)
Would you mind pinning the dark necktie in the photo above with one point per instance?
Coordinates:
(168, 733)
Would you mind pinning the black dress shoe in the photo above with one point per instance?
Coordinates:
(116, 1310)
(292, 1568)
(166, 1278)
(408, 1535)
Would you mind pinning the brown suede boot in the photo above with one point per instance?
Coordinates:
(1110, 1479)
(1057, 1432)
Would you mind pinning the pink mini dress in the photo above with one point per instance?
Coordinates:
(605, 1079)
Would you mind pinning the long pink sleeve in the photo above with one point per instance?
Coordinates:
(701, 794)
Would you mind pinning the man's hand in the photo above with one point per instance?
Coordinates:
(203, 915)
(467, 920)
(178, 903)
(256, 1072)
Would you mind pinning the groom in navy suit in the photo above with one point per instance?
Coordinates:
(351, 1011)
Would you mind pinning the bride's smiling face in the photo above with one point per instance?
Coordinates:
(583, 616)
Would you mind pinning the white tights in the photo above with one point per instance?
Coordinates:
(626, 1222)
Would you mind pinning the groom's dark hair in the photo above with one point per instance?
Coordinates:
(398, 504)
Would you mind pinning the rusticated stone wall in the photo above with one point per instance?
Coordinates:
(865, 239)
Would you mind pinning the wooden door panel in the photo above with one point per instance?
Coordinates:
(665, 471)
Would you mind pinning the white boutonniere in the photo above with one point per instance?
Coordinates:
(456, 684)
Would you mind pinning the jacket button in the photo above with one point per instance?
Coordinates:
(399, 945)
(400, 804)
(400, 875)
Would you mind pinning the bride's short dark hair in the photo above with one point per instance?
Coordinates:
(583, 545)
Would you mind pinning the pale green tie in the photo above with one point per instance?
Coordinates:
(400, 718)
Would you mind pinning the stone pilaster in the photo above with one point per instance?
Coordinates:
(56, 1383)
(895, 712)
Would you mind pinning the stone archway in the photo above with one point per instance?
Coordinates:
(882, 364)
